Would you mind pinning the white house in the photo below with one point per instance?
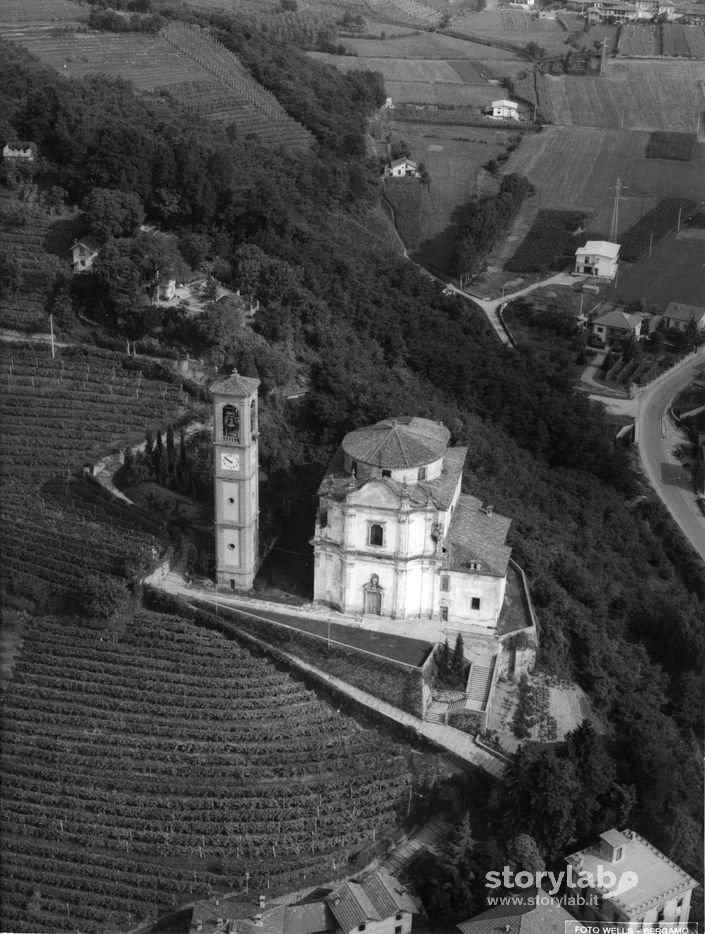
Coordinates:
(395, 537)
(18, 149)
(505, 110)
(401, 168)
(83, 253)
(678, 315)
(643, 885)
(597, 258)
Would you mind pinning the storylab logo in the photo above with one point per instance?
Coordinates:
(610, 884)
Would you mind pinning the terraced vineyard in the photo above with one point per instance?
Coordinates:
(234, 96)
(56, 415)
(142, 770)
(25, 239)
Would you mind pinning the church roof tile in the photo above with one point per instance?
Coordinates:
(398, 442)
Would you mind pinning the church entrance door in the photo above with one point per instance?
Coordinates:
(373, 603)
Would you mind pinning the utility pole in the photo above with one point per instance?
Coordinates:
(614, 228)
(51, 329)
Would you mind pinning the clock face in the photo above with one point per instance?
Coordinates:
(230, 461)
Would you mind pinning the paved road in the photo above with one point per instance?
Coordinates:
(657, 436)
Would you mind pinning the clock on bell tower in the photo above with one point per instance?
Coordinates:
(236, 482)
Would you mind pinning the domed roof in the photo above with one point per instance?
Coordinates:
(398, 442)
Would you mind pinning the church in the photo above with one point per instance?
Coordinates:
(395, 537)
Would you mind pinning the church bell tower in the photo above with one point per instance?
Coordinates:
(236, 482)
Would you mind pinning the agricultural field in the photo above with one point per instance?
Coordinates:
(59, 413)
(415, 81)
(516, 27)
(674, 272)
(683, 41)
(22, 19)
(40, 243)
(634, 95)
(426, 46)
(643, 40)
(147, 767)
(149, 62)
(454, 157)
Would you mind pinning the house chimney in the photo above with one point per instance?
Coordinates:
(262, 901)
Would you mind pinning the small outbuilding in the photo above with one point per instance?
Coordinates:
(83, 253)
(18, 149)
(505, 110)
(597, 258)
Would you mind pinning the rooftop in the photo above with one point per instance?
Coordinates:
(528, 918)
(680, 312)
(403, 161)
(235, 385)
(90, 243)
(600, 247)
(374, 898)
(476, 534)
(398, 442)
(505, 103)
(618, 319)
(337, 484)
(659, 878)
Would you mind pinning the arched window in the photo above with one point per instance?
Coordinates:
(231, 423)
(253, 416)
(376, 535)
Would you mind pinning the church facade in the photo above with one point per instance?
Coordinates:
(395, 537)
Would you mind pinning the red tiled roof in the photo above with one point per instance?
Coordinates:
(520, 919)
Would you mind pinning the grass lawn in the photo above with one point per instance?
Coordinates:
(675, 272)
(426, 45)
(398, 648)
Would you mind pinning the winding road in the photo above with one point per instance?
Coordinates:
(657, 435)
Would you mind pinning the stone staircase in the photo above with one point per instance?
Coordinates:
(436, 712)
(479, 683)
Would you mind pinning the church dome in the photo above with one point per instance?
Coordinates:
(398, 442)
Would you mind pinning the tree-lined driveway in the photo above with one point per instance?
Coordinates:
(657, 435)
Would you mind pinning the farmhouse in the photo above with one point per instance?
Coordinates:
(597, 258)
(547, 917)
(395, 537)
(616, 325)
(505, 110)
(680, 316)
(377, 900)
(655, 890)
(612, 10)
(401, 168)
(17, 149)
(83, 253)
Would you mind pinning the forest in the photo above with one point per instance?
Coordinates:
(620, 595)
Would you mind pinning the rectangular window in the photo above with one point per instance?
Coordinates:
(618, 854)
(445, 583)
(444, 614)
(232, 584)
(361, 927)
(375, 535)
(398, 917)
(422, 473)
(397, 929)
(386, 473)
(475, 603)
